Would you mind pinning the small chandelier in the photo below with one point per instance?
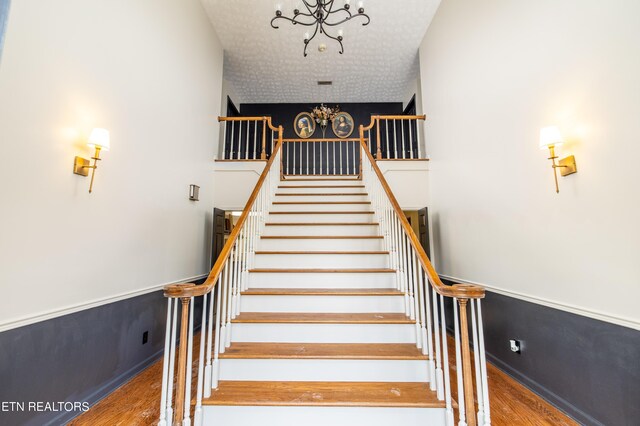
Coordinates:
(320, 15)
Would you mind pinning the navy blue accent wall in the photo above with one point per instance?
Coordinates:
(284, 114)
(80, 357)
(589, 369)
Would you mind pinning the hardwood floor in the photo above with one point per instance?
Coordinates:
(137, 403)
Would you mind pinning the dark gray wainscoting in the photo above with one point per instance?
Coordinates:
(588, 368)
(80, 357)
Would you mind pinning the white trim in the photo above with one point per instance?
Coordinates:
(590, 313)
(32, 319)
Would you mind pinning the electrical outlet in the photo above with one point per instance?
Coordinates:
(515, 345)
(145, 337)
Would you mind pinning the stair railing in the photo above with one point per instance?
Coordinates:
(395, 137)
(425, 303)
(321, 157)
(228, 278)
(247, 138)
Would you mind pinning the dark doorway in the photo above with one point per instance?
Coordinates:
(218, 234)
(410, 109)
(423, 219)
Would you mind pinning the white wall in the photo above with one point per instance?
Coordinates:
(493, 73)
(151, 72)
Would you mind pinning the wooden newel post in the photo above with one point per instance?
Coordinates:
(263, 155)
(182, 362)
(378, 150)
(467, 372)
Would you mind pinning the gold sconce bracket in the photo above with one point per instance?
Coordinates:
(81, 166)
(567, 166)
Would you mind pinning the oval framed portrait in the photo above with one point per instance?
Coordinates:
(304, 125)
(342, 125)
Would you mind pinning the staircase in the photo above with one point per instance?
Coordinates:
(322, 336)
(323, 309)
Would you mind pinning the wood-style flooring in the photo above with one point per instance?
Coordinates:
(137, 403)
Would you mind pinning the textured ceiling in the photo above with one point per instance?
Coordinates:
(266, 65)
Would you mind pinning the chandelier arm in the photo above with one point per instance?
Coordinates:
(334, 38)
(338, 11)
(309, 7)
(293, 21)
(333, 24)
(327, 6)
(306, 44)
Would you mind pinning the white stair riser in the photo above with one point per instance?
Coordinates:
(316, 198)
(320, 189)
(334, 370)
(320, 207)
(320, 218)
(322, 260)
(323, 333)
(317, 280)
(320, 230)
(319, 244)
(342, 304)
(322, 416)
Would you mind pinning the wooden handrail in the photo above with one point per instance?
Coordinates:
(192, 290)
(396, 117)
(322, 140)
(248, 119)
(463, 291)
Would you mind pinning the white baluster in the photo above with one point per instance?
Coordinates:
(418, 139)
(255, 141)
(246, 155)
(186, 420)
(404, 150)
(165, 367)
(476, 362)
(416, 299)
(207, 368)
(395, 140)
(410, 139)
(445, 363)
(233, 125)
(223, 303)
(355, 168)
(314, 157)
(461, 411)
(439, 361)
(483, 367)
(172, 362)
(215, 369)
(340, 157)
(387, 134)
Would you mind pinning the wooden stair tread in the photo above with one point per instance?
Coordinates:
(320, 186)
(352, 179)
(323, 212)
(321, 237)
(326, 270)
(322, 292)
(382, 351)
(322, 202)
(322, 224)
(331, 394)
(323, 252)
(323, 318)
(323, 194)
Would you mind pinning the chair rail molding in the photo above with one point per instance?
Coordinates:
(54, 313)
(567, 307)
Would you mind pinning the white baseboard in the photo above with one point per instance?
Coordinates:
(590, 313)
(43, 316)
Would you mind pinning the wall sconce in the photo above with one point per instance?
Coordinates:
(550, 137)
(194, 192)
(98, 139)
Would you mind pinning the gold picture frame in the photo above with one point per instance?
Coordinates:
(304, 125)
(343, 125)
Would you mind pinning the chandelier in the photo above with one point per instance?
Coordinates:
(322, 15)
